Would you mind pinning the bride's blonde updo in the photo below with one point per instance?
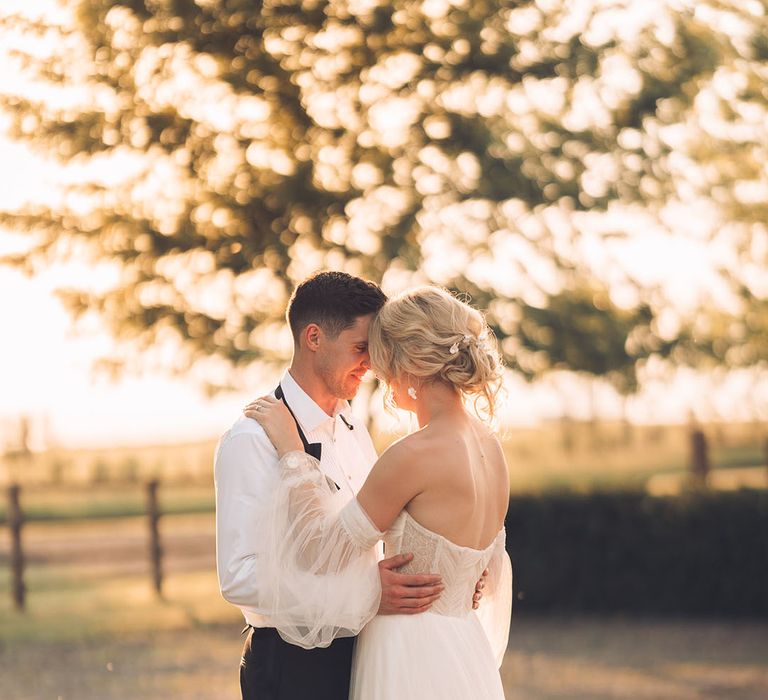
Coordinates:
(429, 334)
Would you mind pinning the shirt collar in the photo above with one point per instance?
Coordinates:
(307, 412)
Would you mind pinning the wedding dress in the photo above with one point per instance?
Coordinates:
(319, 559)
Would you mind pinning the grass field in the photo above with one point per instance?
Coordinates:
(120, 644)
(94, 630)
(552, 456)
(608, 456)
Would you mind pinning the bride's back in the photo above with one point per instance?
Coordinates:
(466, 480)
(435, 351)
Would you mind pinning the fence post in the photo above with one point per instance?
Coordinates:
(15, 521)
(699, 458)
(765, 456)
(155, 551)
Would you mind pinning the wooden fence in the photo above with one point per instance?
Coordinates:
(16, 522)
(699, 468)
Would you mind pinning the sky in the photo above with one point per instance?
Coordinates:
(46, 367)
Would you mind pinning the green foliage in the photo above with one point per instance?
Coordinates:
(739, 340)
(700, 554)
(584, 331)
(232, 147)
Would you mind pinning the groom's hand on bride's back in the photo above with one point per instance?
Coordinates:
(479, 590)
(406, 594)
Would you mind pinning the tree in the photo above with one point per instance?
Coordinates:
(727, 140)
(257, 141)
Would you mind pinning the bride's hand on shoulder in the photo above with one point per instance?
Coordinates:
(277, 421)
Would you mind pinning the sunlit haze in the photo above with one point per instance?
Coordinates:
(46, 364)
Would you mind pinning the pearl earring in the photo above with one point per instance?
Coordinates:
(412, 393)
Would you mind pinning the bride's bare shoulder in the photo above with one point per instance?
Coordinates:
(436, 444)
(414, 451)
(409, 446)
(403, 462)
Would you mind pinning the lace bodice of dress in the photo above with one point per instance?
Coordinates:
(459, 566)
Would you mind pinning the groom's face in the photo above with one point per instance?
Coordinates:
(343, 361)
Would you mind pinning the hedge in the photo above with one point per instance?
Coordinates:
(696, 554)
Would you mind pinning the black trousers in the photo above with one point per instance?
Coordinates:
(272, 669)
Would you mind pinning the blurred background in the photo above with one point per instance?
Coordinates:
(592, 174)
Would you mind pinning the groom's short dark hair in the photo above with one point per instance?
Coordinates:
(332, 300)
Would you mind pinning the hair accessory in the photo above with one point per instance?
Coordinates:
(463, 343)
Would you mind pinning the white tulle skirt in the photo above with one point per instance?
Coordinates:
(424, 657)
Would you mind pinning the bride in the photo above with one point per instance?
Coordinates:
(440, 492)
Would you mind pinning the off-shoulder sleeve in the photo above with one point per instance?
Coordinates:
(495, 611)
(320, 573)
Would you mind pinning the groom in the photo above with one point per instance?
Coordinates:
(329, 315)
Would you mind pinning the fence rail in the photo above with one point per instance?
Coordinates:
(16, 521)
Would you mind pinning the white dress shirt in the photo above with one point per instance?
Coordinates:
(245, 471)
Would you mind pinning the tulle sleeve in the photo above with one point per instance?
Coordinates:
(320, 573)
(495, 611)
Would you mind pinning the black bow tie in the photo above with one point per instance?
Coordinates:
(313, 449)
